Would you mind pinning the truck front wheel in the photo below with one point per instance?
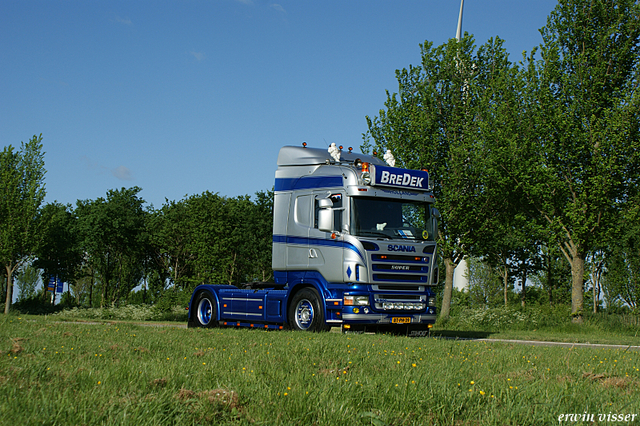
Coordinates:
(205, 313)
(305, 311)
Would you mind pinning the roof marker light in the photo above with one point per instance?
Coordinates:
(350, 149)
(366, 176)
(304, 144)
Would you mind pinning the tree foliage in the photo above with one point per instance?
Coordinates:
(21, 193)
(60, 254)
(112, 235)
(583, 156)
(110, 246)
(544, 152)
(27, 279)
(435, 122)
(622, 282)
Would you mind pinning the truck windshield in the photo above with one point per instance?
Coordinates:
(393, 219)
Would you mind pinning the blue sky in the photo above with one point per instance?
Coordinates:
(181, 97)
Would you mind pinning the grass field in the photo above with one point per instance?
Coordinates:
(53, 372)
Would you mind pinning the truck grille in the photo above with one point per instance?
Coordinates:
(397, 287)
(399, 268)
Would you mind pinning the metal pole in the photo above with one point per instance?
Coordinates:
(459, 32)
(461, 273)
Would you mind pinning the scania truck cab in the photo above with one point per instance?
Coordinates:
(353, 247)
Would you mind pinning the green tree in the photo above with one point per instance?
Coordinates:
(207, 238)
(27, 279)
(210, 228)
(113, 236)
(171, 232)
(59, 254)
(434, 122)
(583, 156)
(485, 285)
(622, 283)
(21, 194)
(511, 238)
(261, 237)
(554, 275)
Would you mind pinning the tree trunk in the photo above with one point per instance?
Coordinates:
(450, 268)
(91, 290)
(105, 283)
(233, 268)
(175, 273)
(505, 282)
(549, 281)
(7, 303)
(523, 293)
(596, 276)
(577, 281)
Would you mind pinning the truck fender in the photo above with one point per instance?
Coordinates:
(309, 283)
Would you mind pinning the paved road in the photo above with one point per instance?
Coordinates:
(545, 343)
(520, 342)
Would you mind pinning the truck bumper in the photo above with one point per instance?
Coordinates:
(376, 318)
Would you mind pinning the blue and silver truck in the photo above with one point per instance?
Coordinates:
(353, 247)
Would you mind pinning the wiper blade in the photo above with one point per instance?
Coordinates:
(375, 234)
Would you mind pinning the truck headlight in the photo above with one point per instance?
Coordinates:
(356, 300)
(366, 178)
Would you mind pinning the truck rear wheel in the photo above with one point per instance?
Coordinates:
(205, 311)
(305, 311)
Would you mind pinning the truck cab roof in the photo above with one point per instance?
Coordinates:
(301, 156)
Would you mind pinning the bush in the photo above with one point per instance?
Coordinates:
(170, 299)
(613, 321)
(535, 317)
(35, 305)
(507, 318)
(67, 301)
(126, 313)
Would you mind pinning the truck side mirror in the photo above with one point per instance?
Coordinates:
(435, 216)
(325, 215)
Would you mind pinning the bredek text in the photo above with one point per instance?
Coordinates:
(402, 179)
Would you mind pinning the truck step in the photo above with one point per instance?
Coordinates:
(251, 325)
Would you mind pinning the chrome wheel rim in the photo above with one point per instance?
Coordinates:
(204, 311)
(304, 314)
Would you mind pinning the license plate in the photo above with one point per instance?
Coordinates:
(401, 320)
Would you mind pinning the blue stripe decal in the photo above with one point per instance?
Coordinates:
(284, 239)
(289, 184)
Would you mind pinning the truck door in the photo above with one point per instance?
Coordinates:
(325, 253)
(298, 231)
